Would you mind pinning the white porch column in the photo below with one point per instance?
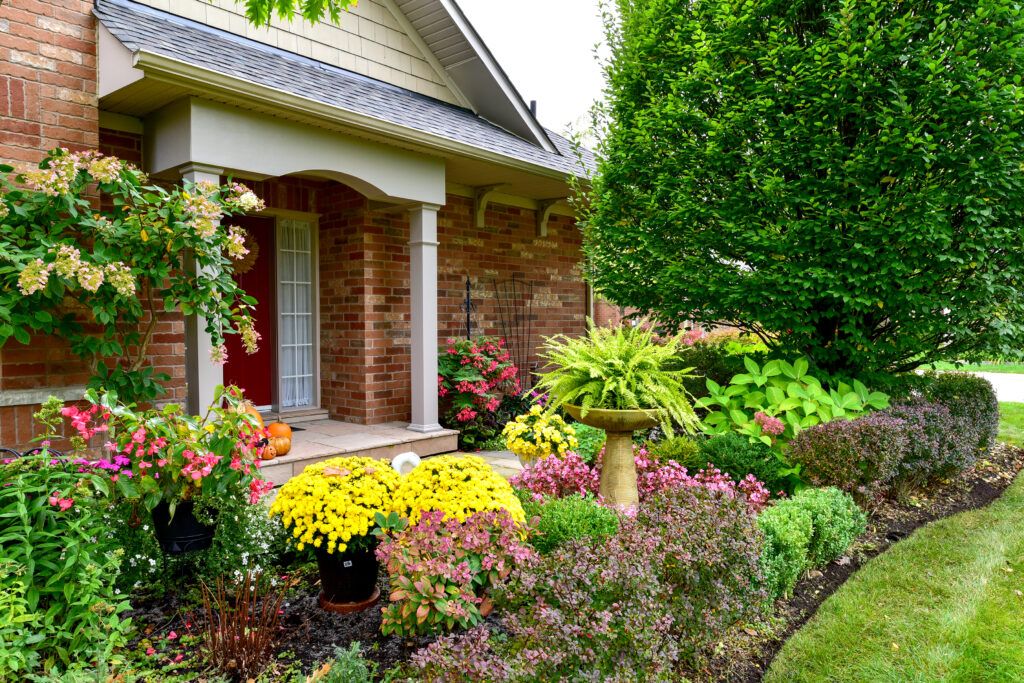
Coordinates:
(423, 294)
(201, 373)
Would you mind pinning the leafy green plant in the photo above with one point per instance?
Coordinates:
(560, 520)
(99, 278)
(590, 441)
(779, 399)
(738, 456)
(787, 531)
(348, 666)
(618, 368)
(59, 589)
(810, 172)
(679, 449)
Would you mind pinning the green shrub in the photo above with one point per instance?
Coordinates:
(836, 522)
(591, 441)
(566, 519)
(61, 592)
(970, 398)
(787, 533)
(680, 449)
(737, 456)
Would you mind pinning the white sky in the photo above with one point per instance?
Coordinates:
(547, 48)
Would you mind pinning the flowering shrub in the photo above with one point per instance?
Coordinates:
(442, 570)
(472, 375)
(458, 486)
(333, 503)
(861, 457)
(116, 269)
(165, 456)
(559, 477)
(538, 434)
(652, 599)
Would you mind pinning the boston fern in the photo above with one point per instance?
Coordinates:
(618, 369)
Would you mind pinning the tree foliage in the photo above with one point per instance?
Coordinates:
(842, 178)
(260, 12)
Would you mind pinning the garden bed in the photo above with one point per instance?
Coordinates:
(748, 658)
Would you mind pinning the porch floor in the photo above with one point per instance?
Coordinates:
(321, 439)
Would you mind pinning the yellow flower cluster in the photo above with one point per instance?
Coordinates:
(537, 435)
(459, 486)
(334, 501)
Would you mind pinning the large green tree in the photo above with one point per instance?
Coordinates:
(841, 177)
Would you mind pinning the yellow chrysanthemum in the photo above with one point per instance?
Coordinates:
(335, 500)
(535, 435)
(459, 486)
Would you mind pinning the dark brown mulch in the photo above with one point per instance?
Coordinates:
(748, 657)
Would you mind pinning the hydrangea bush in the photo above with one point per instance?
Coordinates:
(333, 504)
(458, 486)
(100, 277)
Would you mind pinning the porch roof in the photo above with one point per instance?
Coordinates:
(145, 30)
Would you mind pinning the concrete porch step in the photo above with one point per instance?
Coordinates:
(322, 439)
(295, 417)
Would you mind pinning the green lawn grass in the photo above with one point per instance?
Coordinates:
(1011, 423)
(1002, 368)
(945, 605)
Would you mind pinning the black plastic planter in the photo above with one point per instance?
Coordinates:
(348, 580)
(184, 533)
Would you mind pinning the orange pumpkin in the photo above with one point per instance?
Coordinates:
(280, 429)
(251, 410)
(280, 444)
(269, 453)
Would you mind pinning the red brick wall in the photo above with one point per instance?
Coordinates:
(47, 78)
(47, 100)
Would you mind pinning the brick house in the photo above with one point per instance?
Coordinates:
(396, 160)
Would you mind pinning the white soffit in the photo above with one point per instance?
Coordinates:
(471, 66)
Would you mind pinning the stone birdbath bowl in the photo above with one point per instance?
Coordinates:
(618, 471)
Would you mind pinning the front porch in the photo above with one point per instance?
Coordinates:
(321, 438)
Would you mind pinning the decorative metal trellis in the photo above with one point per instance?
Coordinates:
(514, 299)
(469, 307)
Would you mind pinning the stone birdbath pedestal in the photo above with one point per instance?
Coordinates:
(618, 469)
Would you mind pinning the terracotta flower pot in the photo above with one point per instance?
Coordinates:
(618, 469)
(348, 580)
(182, 533)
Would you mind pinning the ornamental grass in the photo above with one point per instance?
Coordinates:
(332, 504)
(458, 486)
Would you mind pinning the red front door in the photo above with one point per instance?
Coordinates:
(256, 275)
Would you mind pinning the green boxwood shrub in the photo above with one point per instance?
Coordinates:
(565, 519)
(737, 456)
(811, 529)
(787, 533)
(591, 441)
(679, 449)
(836, 523)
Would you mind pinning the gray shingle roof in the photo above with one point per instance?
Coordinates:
(142, 28)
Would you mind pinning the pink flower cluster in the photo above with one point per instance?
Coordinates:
(59, 502)
(88, 422)
(259, 488)
(471, 377)
(559, 477)
(198, 465)
(771, 426)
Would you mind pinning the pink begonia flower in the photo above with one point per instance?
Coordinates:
(172, 635)
(772, 426)
(150, 651)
